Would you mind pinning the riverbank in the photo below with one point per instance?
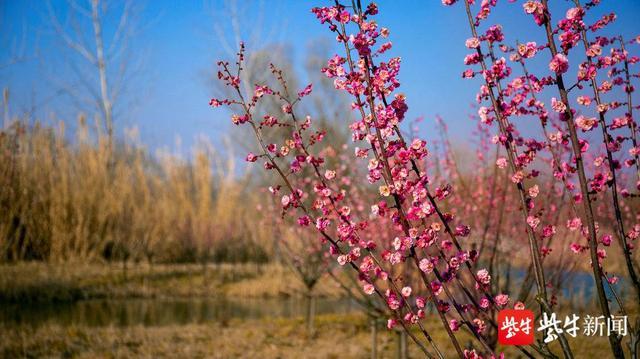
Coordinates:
(41, 282)
(94, 311)
(336, 336)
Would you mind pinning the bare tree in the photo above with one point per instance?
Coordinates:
(103, 63)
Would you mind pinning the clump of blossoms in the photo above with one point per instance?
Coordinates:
(599, 108)
(425, 262)
(394, 166)
(325, 207)
(427, 237)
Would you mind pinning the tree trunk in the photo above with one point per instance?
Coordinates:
(374, 339)
(401, 338)
(124, 268)
(311, 312)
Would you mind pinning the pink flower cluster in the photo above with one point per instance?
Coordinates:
(426, 237)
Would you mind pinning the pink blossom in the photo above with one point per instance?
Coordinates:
(531, 7)
(484, 303)
(479, 324)
(559, 64)
(584, 100)
(329, 174)
(558, 106)
(304, 221)
(369, 289)
(517, 177)
(251, 157)
(586, 124)
(286, 200)
(574, 223)
(426, 265)
(472, 43)
(483, 276)
(454, 325)
(306, 91)
(606, 240)
(594, 50)
(501, 300)
(527, 50)
(406, 291)
(574, 14)
(392, 301)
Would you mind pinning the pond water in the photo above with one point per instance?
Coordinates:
(156, 312)
(159, 312)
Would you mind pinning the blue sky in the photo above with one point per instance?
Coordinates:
(178, 45)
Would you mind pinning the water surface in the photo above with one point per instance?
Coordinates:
(156, 312)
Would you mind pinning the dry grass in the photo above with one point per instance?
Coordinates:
(336, 337)
(276, 281)
(70, 198)
(35, 281)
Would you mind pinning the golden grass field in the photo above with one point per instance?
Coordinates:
(336, 337)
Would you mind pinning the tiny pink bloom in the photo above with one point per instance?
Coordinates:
(454, 325)
(304, 221)
(574, 223)
(528, 50)
(426, 265)
(576, 248)
(574, 14)
(369, 288)
(306, 91)
(517, 177)
(586, 124)
(406, 291)
(531, 7)
(483, 276)
(594, 50)
(501, 300)
(484, 303)
(472, 43)
(558, 105)
(251, 157)
(584, 100)
(559, 64)
(480, 326)
(606, 240)
(329, 174)
(285, 200)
